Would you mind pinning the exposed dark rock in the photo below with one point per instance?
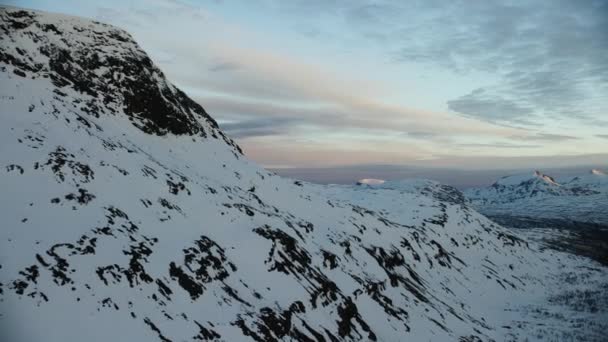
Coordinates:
(203, 263)
(348, 312)
(156, 330)
(206, 334)
(83, 197)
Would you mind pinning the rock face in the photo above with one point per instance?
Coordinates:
(128, 215)
(106, 66)
(583, 198)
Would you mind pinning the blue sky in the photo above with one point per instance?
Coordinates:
(325, 83)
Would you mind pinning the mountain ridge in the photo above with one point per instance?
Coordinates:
(129, 215)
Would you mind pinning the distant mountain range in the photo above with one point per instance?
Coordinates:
(460, 178)
(537, 196)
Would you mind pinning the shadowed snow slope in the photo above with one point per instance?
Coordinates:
(127, 215)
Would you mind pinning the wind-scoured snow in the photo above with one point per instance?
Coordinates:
(128, 215)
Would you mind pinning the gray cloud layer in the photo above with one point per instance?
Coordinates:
(258, 127)
(491, 107)
(547, 137)
(549, 57)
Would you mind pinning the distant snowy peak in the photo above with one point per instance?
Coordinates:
(522, 186)
(522, 179)
(595, 180)
(370, 181)
(541, 184)
(545, 178)
(582, 198)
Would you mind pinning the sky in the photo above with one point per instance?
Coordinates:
(330, 83)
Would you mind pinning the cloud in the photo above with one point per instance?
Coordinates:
(604, 136)
(421, 135)
(257, 127)
(489, 162)
(545, 59)
(499, 145)
(491, 108)
(224, 66)
(546, 137)
(348, 115)
(280, 152)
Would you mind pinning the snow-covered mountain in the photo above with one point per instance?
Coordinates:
(583, 198)
(594, 180)
(128, 215)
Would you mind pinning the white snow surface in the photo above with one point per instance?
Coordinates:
(122, 225)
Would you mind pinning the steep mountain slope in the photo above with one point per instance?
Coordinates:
(128, 215)
(580, 199)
